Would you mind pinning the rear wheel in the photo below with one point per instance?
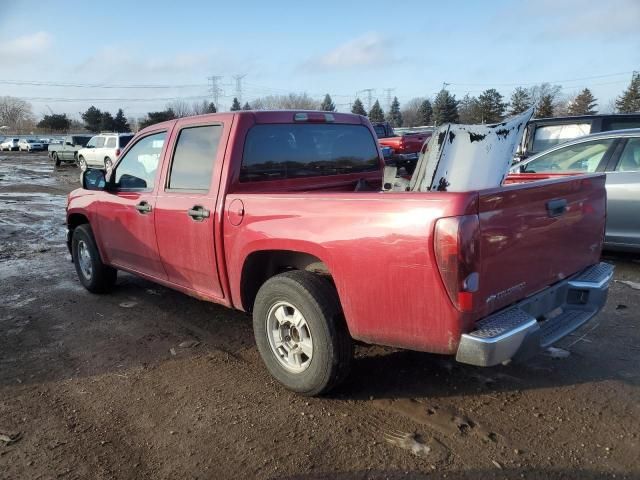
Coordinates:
(94, 275)
(300, 332)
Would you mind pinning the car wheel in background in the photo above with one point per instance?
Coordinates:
(300, 332)
(108, 164)
(82, 163)
(94, 275)
(56, 159)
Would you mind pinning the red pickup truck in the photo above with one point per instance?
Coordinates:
(280, 214)
(405, 149)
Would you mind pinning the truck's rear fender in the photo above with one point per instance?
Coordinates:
(377, 249)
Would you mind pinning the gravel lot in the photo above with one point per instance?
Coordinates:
(149, 383)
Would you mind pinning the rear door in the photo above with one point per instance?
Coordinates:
(535, 234)
(186, 217)
(623, 197)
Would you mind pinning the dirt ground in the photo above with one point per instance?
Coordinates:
(147, 383)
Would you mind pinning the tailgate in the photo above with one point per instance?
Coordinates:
(535, 234)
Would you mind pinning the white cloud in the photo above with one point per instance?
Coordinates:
(368, 50)
(22, 49)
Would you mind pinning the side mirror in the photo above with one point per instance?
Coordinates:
(387, 153)
(69, 143)
(94, 179)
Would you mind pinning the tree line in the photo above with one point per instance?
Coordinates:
(488, 107)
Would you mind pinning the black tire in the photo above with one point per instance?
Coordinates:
(317, 300)
(82, 163)
(107, 163)
(56, 159)
(101, 278)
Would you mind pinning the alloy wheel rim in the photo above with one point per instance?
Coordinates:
(289, 337)
(84, 260)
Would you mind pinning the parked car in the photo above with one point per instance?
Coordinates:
(102, 150)
(616, 153)
(67, 150)
(10, 144)
(544, 133)
(30, 145)
(280, 214)
(405, 148)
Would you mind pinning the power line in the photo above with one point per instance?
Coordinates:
(522, 84)
(369, 92)
(388, 92)
(214, 89)
(238, 79)
(34, 83)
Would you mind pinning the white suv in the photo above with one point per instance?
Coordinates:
(103, 150)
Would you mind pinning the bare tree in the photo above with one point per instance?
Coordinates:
(180, 108)
(410, 112)
(293, 101)
(15, 113)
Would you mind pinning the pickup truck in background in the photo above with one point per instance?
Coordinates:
(405, 148)
(67, 151)
(280, 214)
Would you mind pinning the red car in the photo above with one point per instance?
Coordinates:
(280, 214)
(405, 148)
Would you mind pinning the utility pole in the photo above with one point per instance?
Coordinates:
(238, 79)
(214, 89)
(388, 92)
(445, 85)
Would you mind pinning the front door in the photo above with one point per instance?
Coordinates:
(127, 211)
(186, 220)
(623, 197)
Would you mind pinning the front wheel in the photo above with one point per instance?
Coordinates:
(107, 164)
(82, 163)
(56, 159)
(94, 275)
(300, 332)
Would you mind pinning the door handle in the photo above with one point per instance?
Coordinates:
(557, 207)
(143, 207)
(198, 213)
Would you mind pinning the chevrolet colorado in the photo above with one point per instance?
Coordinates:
(281, 214)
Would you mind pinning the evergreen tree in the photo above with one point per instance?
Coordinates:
(211, 108)
(583, 104)
(246, 106)
(629, 101)
(520, 101)
(491, 106)
(358, 108)
(445, 108)
(469, 110)
(106, 122)
(92, 119)
(157, 117)
(545, 106)
(120, 123)
(425, 113)
(235, 106)
(394, 117)
(376, 114)
(327, 104)
(56, 122)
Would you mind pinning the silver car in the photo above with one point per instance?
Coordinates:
(618, 154)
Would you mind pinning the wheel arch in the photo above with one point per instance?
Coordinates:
(261, 265)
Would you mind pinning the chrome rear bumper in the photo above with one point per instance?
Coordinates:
(517, 332)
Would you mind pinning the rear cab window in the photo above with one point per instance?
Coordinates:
(286, 151)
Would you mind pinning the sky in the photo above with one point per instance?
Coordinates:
(64, 56)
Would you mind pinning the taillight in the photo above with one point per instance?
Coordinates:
(117, 152)
(314, 117)
(457, 248)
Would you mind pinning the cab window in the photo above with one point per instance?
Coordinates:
(630, 158)
(137, 168)
(111, 142)
(581, 157)
(548, 136)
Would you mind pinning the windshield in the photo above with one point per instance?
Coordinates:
(81, 140)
